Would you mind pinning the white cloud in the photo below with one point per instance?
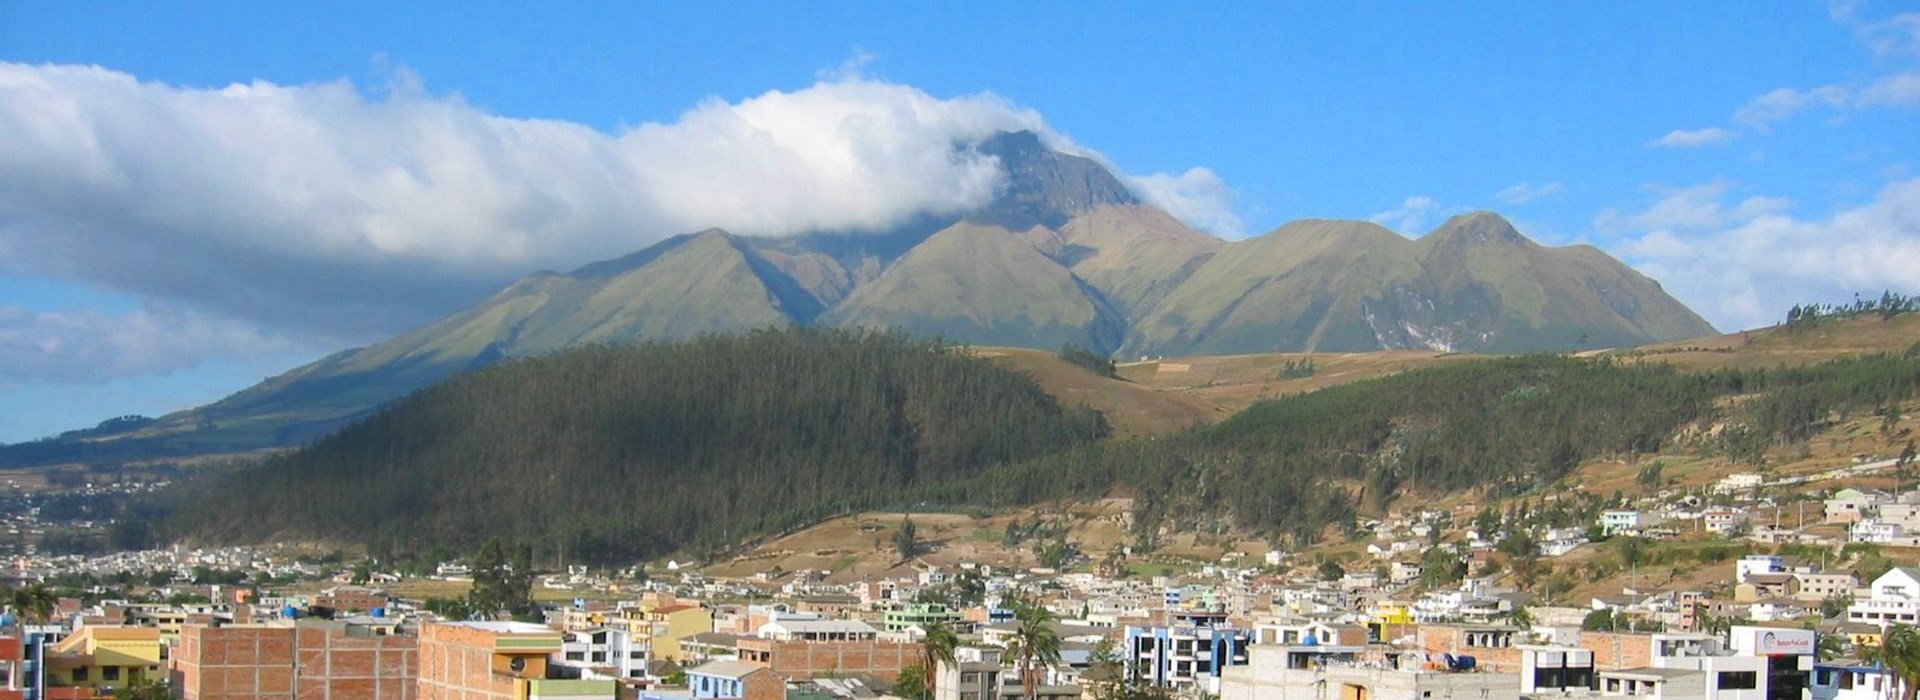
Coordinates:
(1414, 214)
(1682, 138)
(1198, 197)
(1410, 216)
(854, 68)
(319, 206)
(1525, 192)
(1743, 263)
(92, 346)
(1900, 91)
(1896, 36)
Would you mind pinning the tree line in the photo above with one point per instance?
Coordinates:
(611, 453)
(617, 452)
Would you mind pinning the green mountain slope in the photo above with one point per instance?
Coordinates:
(1474, 284)
(615, 452)
(1063, 254)
(1135, 255)
(1302, 287)
(986, 285)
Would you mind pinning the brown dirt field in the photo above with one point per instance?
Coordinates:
(1232, 382)
(1131, 409)
(860, 547)
(1775, 346)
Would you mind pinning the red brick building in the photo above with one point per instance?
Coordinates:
(321, 660)
(804, 660)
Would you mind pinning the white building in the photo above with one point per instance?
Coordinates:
(1724, 521)
(606, 652)
(1845, 680)
(1894, 598)
(1620, 520)
(1757, 564)
(1738, 482)
(1276, 672)
(1850, 505)
(817, 631)
(1873, 531)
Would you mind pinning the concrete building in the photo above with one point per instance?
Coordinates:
(99, 660)
(1757, 564)
(1183, 658)
(1851, 505)
(732, 680)
(1276, 672)
(1852, 679)
(1619, 520)
(311, 660)
(1725, 521)
(917, 615)
(666, 624)
(984, 673)
(1893, 598)
(352, 599)
(1818, 586)
(607, 652)
(1493, 647)
(498, 661)
(802, 660)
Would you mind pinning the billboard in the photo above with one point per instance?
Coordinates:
(1768, 641)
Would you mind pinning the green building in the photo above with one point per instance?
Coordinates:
(919, 615)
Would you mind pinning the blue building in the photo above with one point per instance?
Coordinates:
(1184, 657)
(728, 680)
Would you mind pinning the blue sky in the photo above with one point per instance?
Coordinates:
(167, 238)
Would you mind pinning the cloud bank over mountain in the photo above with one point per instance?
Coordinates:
(340, 211)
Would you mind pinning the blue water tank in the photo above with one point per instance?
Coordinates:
(8, 620)
(379, 612)
(290, 612)
(1310, 640)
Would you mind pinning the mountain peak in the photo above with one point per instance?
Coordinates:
(1476, 228)
(1045, 187)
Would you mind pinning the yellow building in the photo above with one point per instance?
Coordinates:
(1392, 612)
(105, 658)
(665, 626)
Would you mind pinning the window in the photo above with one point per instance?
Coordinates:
(80, 675)
(1822, 677)
(1549, 677)
(969, 677)
(576, 656)
(1739, 680)
(636, 654)
(110, 673)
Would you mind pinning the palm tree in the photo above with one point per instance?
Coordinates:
(1035, 640)
(936, 648)
(1900, 651)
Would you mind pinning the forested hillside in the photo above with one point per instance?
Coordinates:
(622, 451)
(1291, 467)
(612, 452)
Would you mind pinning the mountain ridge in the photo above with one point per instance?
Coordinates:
(1064, 254)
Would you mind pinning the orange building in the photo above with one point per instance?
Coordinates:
(497, 661)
